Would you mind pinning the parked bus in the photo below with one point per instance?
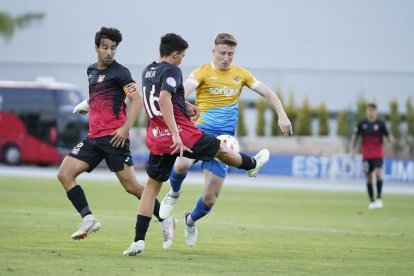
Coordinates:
(36, 122)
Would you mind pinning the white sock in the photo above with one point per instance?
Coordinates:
(175, 194)
(88, 217)
(189, 221)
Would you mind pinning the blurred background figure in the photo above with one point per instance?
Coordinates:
(372, 130)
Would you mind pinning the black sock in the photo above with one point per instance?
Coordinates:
(370, 191)
(379, 188)
(141, 227)
(248, 162)
(78, 199)
(157, 210)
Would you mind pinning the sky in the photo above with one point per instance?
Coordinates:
(294, 44)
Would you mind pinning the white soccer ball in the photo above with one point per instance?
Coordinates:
(230, 142)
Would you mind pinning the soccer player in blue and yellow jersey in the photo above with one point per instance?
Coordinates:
(110, 84)
(372, 130)
(217, 86)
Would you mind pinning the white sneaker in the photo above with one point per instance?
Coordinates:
(168, 232)
(136, 248)
(167, 205)
(372, 205)
(190, 232)
(261, 159)
(379, 203)
(89, 224)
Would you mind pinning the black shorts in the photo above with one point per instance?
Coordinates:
(93, 150)
(371, 164)
(159, 167)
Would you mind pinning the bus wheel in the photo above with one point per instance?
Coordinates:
(12, 155)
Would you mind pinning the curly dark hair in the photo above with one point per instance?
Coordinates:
(109, 33)
(170, 43)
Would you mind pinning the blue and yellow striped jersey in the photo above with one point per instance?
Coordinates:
(217, 96)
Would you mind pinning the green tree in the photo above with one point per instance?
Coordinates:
(410, 117)
(410, 126)
(395, 122)
(395, 119)
(304, 119)
(241, 126)
(261, 107)
(342, 123)
(8, 23)
(275, 130)
(323, 120)
(361, 109)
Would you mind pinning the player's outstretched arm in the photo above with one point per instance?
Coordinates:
(189, 87)
(193, 111)
(284, 123)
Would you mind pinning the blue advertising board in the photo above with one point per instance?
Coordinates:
(337, 166)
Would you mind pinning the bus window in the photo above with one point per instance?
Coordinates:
(68, 97)
(71, 127)
(48, 127)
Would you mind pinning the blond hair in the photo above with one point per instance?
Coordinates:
(226, 39)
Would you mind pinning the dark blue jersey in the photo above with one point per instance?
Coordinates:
(158, 77)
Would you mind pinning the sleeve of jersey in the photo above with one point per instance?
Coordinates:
(128, 84)
(250, 80)
(196, 77)
(171, 80)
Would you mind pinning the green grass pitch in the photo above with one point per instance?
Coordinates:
(251, 231)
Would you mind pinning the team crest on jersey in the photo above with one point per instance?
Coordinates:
(236, 79)
(101, 78)
(376, 127)
(171, 81)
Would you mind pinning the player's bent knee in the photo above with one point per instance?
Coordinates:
(210, 200)
(134, 191)
(63, 177)
(182, 166)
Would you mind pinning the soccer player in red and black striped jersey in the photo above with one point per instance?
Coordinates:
(372, 130)
(110, 84)
(171, 133)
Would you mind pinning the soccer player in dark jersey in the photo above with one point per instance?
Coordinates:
(372, 130)
(171, 133)
(109, 85)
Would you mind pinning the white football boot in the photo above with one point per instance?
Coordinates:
(167, 205)
(372, 205)
(379, 204)
(136, 248)
(168, 232)
(261, 159)
(190, 231)
(89, 224)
